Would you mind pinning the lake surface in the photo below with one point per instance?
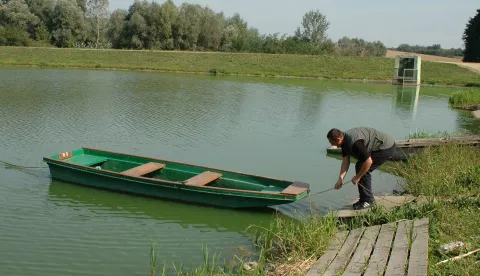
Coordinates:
(265, 126)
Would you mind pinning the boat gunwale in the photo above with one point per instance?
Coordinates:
(426, 142)
(278, 196)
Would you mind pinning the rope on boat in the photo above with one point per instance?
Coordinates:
(8, 165)
(382, 197)
(321, 192)
(24, 169)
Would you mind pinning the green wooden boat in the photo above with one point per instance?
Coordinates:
(172, 180)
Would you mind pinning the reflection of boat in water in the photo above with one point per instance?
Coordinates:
(409, 147)
(128, 206)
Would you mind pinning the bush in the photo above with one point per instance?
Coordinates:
(13, 36)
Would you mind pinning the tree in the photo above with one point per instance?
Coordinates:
(187, 28)
(82, 4)
(116, 31)
(68, 24)
(16, 14)
(98, 12)
(471, 38)
(314, 28)
(19, 23)
(169, 15)
(137, 30)
(211, 26)
(235, 34)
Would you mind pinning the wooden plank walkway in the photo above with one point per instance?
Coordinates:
(399, 248)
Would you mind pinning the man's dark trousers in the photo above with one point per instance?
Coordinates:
(365, 184)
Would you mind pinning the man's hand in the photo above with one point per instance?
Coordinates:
(339, 184)
(355, 180)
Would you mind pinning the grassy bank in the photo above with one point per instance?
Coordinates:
(469, 99)
(328, 67)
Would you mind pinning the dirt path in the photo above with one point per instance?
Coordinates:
(470, 65)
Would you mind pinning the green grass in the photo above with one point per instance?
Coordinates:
(212, 266)
(327, 67)
(421, 134)
(292, 245)
(441, 171)
(469, 99)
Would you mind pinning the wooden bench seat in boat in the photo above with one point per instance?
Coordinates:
(202, 179)
(143, 169)
(295, 188)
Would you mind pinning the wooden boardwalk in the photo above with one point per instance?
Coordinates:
(391, 249)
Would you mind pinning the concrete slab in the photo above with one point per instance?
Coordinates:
(476, 114)
(388, 202)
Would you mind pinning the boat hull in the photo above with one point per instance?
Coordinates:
(408, 147)
(401, 153)
(144, 186)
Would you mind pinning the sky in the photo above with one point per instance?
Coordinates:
(424, 22)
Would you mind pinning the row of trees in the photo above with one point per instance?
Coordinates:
(435, 50)
(151, 25)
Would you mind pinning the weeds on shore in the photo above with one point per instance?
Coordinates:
(465, 99)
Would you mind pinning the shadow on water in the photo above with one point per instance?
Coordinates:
(131, 206)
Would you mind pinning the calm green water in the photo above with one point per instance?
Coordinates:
(271, 127)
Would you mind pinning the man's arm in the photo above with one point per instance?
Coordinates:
(343, 171)
(344, 167)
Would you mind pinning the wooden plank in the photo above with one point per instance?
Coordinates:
(296, 188)
(143, 169)
(381, 251)
(326, 259)
(398, 258)
(203, 178)
(362, 253)
(343, 256)
(418, 262)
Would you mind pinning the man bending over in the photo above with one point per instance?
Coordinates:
(371, 148)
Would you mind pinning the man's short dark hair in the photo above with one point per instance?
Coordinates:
(334, 134)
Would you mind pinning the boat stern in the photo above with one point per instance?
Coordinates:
(297, 189)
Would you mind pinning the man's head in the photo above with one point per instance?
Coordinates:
(335, 137)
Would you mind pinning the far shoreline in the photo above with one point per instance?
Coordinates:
(286, 66)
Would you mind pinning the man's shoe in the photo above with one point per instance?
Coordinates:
(362, 205)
